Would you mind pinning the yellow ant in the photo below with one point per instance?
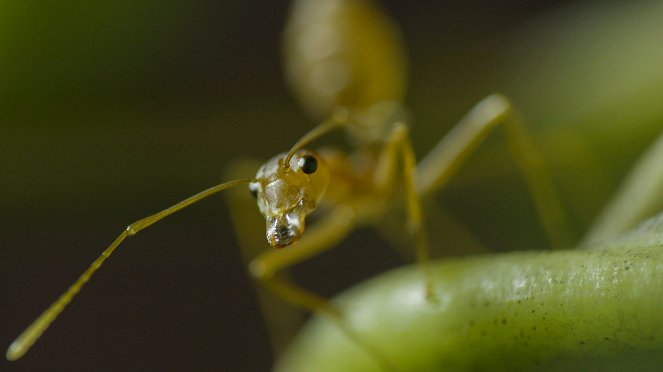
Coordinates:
(344, 60)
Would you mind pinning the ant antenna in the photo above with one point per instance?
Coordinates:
(339, 118)
(31, 334)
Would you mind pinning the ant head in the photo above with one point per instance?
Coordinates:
(287, 192)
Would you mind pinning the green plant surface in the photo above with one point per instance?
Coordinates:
(596, 309)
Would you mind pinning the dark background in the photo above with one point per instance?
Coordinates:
(112, 111)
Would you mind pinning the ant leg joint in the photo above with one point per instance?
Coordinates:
(495, 105)
(259, 270)
(340, 114)
(400, 129)
(499, 100)
(131, 230)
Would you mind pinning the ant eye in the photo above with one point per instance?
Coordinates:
(308, 164)
(253, 189)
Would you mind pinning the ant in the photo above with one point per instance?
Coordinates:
(345, 60)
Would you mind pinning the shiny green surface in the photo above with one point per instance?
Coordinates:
(538, 310)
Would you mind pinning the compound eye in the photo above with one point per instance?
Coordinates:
(308, 164)
(253, 189)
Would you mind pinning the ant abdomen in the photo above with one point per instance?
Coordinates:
(342, 53)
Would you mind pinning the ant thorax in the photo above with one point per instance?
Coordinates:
(373, 124)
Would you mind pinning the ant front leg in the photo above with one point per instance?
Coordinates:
(268, 267)
(434, 171)
(265, 265)
(323, 235)
(249, 227)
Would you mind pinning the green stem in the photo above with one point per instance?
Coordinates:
(535, 310)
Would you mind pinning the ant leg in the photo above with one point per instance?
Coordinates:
(321, 236)
(398, 152)
(639, 197)
(450, 153)
(249, 226)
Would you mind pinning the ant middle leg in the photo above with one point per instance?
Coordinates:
(397, 164)
(442, 162)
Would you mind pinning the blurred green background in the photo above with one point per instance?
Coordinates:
(110, 111)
